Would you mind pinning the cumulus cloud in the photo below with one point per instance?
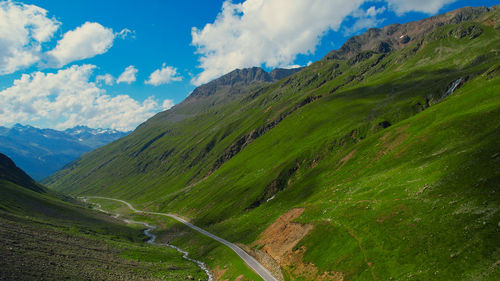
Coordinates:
(23, 28)
(128, 75)
(164, 75)
(269, 32)
(107, 79)
(424, 6)
(67, 98)
(86, 41)
(274, 32)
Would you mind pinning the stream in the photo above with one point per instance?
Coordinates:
(152, 238)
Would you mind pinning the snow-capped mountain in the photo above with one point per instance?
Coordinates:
(40, 152)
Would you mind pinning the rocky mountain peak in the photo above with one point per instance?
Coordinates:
(245, 76)
(241, 77)
(397, 36)
(280, 73)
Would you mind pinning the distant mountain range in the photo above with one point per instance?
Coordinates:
(40, 152)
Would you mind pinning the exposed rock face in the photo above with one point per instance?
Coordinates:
(241, 76)
(280, 73)
(245, 76)
(397, 36)
(222, 91)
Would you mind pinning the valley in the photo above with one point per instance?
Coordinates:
(250, 261)
(48, 236)
(377, 162)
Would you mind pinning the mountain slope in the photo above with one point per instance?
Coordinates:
(47, 236)
(380, 162)
(10, 172)
(43, 151)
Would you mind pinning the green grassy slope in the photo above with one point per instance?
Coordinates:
(45, 238)
(397, 174)
(220, 259)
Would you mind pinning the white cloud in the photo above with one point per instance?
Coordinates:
(125, 33)
(424, 6)
(128, 75)
(271, 32)
(107, 79)
(67, 98)
(86, 41)
(23, 28)
(167, 104)
(365, 19)
(164, 75)
(292, 66)
(274, 32)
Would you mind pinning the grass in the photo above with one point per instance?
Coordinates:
(414, 199)
(219, 258)
(45, 238)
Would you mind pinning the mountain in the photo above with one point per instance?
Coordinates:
(223, 90)
(399, 36)
(48, 236)
(377, 162)
(94, 138)
(43, 151)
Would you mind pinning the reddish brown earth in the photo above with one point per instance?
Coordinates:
(276, 249)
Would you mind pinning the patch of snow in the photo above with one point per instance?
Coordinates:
(106, 131)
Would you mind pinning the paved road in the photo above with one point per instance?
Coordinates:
(152, 237)
(253, 263)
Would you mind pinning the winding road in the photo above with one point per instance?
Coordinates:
(253, 263)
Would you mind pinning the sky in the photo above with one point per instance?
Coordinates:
(114, 64)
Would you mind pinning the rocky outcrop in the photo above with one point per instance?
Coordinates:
(398, 36)
(280, 73)
(245, 140)
(245, 76)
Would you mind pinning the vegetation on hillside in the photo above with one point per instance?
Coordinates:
(383, 160)
(46, 238)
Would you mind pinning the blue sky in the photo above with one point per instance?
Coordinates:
(156, 35)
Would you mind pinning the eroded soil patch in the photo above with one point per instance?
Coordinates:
(277, 243)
